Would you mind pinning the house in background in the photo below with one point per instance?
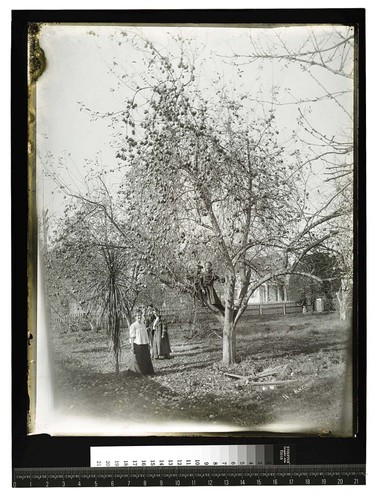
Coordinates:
(271, 292)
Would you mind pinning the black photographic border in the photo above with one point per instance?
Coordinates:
(46, 451)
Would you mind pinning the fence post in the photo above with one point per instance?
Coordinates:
(260, 310)
(284, 308)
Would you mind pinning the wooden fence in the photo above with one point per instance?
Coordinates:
(261, 309)
(74, 321)
(267, 308)
(183, 314)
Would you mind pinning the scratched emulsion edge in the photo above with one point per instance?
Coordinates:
(356, 292)
(35, 67)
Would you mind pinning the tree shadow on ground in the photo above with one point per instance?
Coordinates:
(85, 350)
(287, 348)
(185, 368)
(202, 350)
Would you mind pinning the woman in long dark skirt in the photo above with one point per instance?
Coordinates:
(140, 347)
(161, 346)
(149, 321)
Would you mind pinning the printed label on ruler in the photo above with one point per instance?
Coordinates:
(161, 456)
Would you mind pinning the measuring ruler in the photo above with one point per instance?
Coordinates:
(218, 465)
(190, 476)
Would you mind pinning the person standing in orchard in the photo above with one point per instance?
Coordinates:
(140, 346)
(161, 345)
(149, 321)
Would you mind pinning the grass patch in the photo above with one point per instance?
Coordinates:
(192, 385)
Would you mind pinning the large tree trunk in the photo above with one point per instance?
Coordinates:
(117, 362)
(128, 318)
(229, 337)
(344, 299)
(192, 329)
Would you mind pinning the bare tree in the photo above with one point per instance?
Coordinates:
(205, 181)
(326, 56)
(205, 177)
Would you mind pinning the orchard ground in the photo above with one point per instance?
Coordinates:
(193, 386)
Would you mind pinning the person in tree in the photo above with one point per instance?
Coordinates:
(208, 278)
(161, 345)
(140, 346)
(149, 322)
(196, 281)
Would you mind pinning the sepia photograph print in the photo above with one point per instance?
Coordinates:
(195, 208)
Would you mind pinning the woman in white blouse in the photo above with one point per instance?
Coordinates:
(140, 346)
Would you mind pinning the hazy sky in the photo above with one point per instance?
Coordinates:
(78, 62)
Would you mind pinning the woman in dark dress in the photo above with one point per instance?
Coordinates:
(141, 362)
(161, 346)
(149, 321)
